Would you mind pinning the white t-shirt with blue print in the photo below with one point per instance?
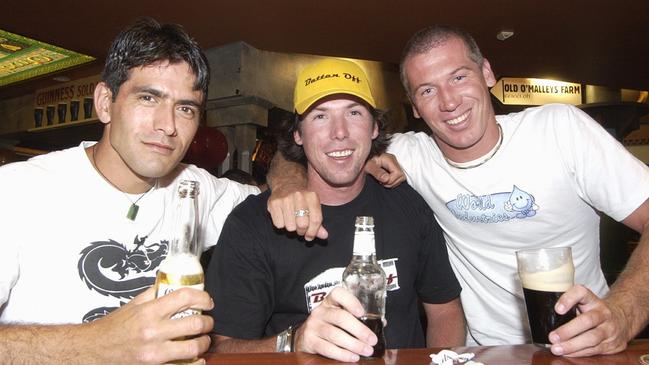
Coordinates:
(554, 166)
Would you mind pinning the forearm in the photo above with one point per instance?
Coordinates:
(229, 344)
(446, 334)
(61, 344)
(284, 173)
(446, 327)
(630, 292)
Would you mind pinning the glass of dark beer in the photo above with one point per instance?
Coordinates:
(74, 110)
(62, 111)
(50, 110)
(38, 117)
(545, 275)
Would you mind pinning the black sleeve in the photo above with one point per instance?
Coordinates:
(436, 281)
(239, 277)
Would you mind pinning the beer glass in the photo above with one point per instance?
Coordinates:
(62, 111)
(74, 110)
(545, 274)
(38, 117)
(49, 113)
(87, 108)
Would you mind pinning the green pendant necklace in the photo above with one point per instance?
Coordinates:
(134, 208)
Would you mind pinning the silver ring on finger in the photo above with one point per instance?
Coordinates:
(302, 213)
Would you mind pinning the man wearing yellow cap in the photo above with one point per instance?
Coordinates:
(274, 291)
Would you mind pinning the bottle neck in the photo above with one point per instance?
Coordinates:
(183, 240)
(364, 258)
(364, 248)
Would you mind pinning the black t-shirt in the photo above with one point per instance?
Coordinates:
(263, 279)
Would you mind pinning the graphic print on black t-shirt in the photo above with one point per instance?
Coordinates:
(109, 268)
(316, 289)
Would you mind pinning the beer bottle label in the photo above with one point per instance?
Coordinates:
(364, 243)
(164, 289)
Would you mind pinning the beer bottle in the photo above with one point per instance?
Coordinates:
(182, 267)
(366, 279)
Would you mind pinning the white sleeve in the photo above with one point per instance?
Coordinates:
(414, 152)
(9, 270)
(607, 175)
(9, 264)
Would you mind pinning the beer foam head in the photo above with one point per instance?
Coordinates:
(182, 264)
(557, 280)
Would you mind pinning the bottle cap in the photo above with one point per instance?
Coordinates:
(365, 221)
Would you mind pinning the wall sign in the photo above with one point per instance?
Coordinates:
(65, 103)
(527, 91)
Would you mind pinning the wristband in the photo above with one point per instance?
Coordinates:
(284, 340)
(292, 336)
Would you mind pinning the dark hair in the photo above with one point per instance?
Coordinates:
(147, 42)
(294, 152)
(432, 37)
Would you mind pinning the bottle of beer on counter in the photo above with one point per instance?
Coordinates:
(366, 279)
(182, 267)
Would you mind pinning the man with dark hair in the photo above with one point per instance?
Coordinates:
(102, 214)
(534, 179)
(269, 285)
(155, 42)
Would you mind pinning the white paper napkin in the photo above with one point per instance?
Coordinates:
(448, 357)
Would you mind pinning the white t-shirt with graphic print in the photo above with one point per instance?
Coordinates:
(68, 253)
(539, 189)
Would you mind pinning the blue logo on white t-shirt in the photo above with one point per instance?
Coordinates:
(494, 208)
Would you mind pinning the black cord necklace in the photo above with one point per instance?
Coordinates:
(134, 208)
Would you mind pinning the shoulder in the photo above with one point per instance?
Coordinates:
(253, 205)
(409, 140)
(549, 113)
(247, 223)
(414, 151)
(40, 167)
(402, 198)
(404, 190)
(552, 122)
(251, 214)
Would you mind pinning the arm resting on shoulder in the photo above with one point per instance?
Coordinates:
(386, 170)
(445, 324)
(285, 174)
(288, 183)
(289, 193)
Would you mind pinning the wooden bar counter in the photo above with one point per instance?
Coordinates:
(488, 355)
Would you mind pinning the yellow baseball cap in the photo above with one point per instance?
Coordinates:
(327, 77)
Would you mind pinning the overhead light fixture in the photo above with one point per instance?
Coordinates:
(504, 34)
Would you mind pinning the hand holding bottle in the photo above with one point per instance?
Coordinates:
(365, 278)
(181, 268)
(142, 329)
(334, 330)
